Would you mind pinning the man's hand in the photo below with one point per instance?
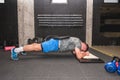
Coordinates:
(83, 54)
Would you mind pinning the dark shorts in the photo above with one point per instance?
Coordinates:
(51, 45)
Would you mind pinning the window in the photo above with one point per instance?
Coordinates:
(59, 1)
(111, 1)
(2, 1)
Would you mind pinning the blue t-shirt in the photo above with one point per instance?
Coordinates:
(50, 45)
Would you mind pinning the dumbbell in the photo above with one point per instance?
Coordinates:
(118, 70)
(29, 41)
(113, 66)
(35, 40)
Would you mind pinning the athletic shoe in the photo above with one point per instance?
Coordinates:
(24, 53)
(14, 55)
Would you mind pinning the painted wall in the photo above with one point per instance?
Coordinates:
(106, 35)
(61, 19)
(17, 19)
(8, 22)
(25, 20)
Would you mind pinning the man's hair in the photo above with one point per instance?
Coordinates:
(87, 47)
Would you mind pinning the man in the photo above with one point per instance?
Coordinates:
(79, 48)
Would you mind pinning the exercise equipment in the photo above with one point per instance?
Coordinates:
(29, 41)
(118, 70)
(40, 39)
(56, 37)
(91, 59)
(7, 48)
(35, 40)
(113, 66)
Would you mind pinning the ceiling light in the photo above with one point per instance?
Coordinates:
(59, 1)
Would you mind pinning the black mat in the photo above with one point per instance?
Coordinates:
(91, 58)
(53, 66)
(91, 61)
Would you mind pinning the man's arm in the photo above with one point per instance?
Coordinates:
(80, 54)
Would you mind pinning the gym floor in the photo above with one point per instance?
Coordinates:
(53, 66)
(108, 50)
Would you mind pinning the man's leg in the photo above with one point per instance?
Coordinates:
(30, 47)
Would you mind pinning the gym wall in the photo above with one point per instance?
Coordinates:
(8, 23)
(60, 19)
(106, 26)
(30, 12)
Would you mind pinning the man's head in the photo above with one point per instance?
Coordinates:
(84, 47)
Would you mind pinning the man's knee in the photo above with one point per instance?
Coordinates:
(36, 46)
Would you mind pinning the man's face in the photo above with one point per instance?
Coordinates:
(83, 47)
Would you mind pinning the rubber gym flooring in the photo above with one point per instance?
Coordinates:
(53, 66)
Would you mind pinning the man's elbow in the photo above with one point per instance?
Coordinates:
(79, 57)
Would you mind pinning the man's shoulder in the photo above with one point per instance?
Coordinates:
(74, 37)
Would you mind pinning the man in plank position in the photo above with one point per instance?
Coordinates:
(79, 48)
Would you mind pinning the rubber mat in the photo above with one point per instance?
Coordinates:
(91, 59)
(52, 66)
